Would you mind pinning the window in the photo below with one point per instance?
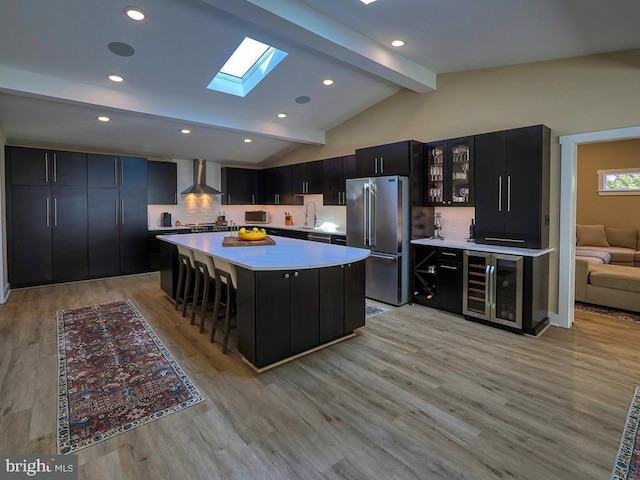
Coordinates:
(246, 67)
(619, 182)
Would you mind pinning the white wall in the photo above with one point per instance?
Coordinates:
(4, 270)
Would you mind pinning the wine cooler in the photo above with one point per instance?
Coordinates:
(493, 287)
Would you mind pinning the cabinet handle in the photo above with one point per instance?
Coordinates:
(116, 211)
(286, 275)
(376, 165)
(48, 211)
(500, 194)
(295, 274)
(55, 168)
(46, 169)
(512, 240)
(448, 267)
(381, 164)
(115, 171)
(55, 212)
(175, 197)
(122, 211)
(508, 193)
(253, 200)
(121, 172)
(228, 199)
(449, 254)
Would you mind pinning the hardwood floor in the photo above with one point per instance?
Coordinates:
(417, 394)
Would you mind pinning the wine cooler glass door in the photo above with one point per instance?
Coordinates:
(476, 296)
(506, 279)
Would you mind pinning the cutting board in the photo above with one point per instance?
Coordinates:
(236, 242)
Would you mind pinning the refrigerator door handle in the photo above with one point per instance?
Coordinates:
(372, 217)
(492, 272)
(365, 211)
(391, 258)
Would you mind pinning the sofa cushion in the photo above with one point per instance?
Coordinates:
(620, 254)
(616, 277)
(593, 254)
(622, 237)
(592, 235)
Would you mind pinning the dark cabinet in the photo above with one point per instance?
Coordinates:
(46, 216)
(117, 215)
(335, 172)
(277, 187)
(512, 187)
(449, 172)
(389, 159)
(306, 178)
(438, 277)
(162, 183)
(241, 186)
(354, 282)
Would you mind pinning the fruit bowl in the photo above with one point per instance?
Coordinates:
(251, 235)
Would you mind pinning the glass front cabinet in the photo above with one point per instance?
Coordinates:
(449, 172)
(493, 287)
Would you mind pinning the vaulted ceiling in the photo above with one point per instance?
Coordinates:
(54, 62)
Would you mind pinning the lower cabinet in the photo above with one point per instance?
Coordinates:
(437, 278)
(283, 313)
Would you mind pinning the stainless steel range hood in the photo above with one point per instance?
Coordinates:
(199, 180)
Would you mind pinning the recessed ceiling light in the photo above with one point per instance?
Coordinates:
(102, 118)
(327, 81)
(115, 78)
(397, 43)
(134, 13)
(185, 130)
(247, 140)
(367, 2)
(282, 115)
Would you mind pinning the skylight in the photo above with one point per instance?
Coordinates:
(246, 67)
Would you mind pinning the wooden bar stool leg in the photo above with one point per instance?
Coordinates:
(187, 290)
(227, 317)
(180, 286)
(196, 294)
(205, 295)
(216, 306)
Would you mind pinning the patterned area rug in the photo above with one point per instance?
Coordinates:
(608, 312)
(627, 466)
(114, 374)
(370, 309)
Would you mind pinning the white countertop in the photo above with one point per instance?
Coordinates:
(286, 254)
(480, 247)
(264, 225)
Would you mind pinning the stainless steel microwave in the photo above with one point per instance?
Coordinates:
(256, 216)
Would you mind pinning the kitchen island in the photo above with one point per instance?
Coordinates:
(292, 297)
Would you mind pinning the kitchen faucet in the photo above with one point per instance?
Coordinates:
(306, 214)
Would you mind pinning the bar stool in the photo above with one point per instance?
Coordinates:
(205, 275)
(225, 276)
(186, 263)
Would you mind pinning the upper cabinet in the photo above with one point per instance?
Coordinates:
(109, 171)
(306, 178)
(242, 186)
(389, 159)
(162, 181)
(32, 166)
(277, 187)
(449, 172)
(335, 172)
(512, 187)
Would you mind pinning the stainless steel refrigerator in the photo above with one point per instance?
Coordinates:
(378, 218)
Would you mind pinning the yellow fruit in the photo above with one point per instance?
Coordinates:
(243, 230)
(255, 229)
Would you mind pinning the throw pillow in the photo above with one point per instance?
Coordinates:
(622, 237)
(592, 235)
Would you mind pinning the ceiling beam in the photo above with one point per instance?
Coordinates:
(309, 27)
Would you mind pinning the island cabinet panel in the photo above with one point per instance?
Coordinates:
(354, 281)
(331, 303)
(273, 325)
(304, 301)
